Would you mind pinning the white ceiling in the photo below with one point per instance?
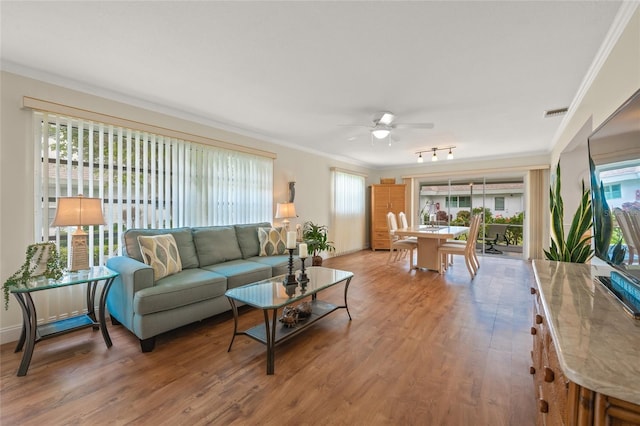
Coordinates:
(293, 72)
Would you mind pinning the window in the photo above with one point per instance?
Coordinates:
(464, 202)
(455, 201)
(499, 203)
(145, 180)
(612, 191)
(348, 227)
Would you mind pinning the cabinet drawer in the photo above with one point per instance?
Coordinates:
(381, 236)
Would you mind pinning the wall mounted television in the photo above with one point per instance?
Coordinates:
(614, 156)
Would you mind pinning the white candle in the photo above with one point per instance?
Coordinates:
(302, 251)
(291, 239)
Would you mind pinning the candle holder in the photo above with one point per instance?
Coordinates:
(290, 279)
(303, 279)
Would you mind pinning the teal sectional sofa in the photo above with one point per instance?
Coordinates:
(214, 259)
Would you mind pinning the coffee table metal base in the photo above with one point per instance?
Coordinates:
(273, 332)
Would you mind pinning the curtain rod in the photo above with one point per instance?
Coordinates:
(57, 108)
(338, 169)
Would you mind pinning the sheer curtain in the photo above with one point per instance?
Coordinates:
(348, 211)
(537, 183)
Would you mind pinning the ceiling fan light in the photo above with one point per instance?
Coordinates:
(450, 155)
(435, 156)
(420, 159)
(380, 133)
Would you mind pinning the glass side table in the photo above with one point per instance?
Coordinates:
(32, 333)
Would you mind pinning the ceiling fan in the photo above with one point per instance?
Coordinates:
(383, 124)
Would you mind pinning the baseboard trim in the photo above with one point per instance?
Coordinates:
(10, 334)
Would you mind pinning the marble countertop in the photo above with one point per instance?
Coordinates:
(597, 341)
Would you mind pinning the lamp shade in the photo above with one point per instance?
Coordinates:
(78, 211)
(285, 210)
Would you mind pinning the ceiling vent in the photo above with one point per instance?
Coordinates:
(555, 112)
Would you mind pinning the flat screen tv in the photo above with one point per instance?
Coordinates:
(614, 156)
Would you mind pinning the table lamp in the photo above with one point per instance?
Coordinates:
(79, 211)
(285, 211)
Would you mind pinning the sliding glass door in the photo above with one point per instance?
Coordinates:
(500, 200)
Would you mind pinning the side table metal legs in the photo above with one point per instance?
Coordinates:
(103, 311)
(31, 336)
(29, 327)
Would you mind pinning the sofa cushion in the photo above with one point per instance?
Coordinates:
(241, 272)
(279, 264)
(161, 253)
(183, 237)
(187, 287)
(216, 244)
(272, 241)
(247, 235)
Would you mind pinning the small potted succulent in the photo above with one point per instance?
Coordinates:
(317, 241)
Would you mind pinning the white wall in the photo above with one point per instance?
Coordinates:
(616, 81)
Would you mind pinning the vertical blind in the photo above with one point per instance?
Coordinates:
(348, 211)
(145, 180)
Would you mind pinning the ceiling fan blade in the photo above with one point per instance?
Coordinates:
(412, 126)
(356, 125)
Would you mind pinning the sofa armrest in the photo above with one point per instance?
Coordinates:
(134, 276)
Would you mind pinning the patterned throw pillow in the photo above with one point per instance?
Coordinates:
(272, 241)
(161, 253)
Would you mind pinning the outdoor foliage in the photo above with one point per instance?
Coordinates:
(513, 233)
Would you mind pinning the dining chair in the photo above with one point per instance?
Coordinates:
(404, 224)
(476, 261)
(398, 245)
(468, 249)
(633, 221)
(626, 227)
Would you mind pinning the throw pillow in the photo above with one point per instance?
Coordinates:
(161, 253)
(272, 241)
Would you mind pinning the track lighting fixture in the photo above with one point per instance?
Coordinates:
(434, 157)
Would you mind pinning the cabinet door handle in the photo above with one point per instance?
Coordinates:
(544, 406)
(538, 319)
(549, 375)
(533, 331)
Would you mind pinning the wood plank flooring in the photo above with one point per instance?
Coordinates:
(422, 349)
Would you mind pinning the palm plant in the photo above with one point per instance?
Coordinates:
(576, 247)
(317, 240)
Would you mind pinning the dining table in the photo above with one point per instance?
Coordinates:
(429, 239)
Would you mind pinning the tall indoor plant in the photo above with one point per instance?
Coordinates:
(317, 241)
(575, 246)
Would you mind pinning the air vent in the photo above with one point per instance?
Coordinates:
(555, 112)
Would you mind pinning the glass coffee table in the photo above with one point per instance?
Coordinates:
(271, 295)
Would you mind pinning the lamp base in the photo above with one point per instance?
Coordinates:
(79, 254)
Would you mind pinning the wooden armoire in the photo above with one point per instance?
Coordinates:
(385, 198)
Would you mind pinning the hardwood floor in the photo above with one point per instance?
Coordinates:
(422, 349)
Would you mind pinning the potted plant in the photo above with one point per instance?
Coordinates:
(42, 259)
(575, 247)
(317, 241)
